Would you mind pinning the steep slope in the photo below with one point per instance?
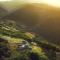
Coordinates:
(18, 46)
(40, 18)
(22, 45)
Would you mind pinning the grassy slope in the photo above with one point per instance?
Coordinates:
(13, 46)
(11, 35)
(42, 19)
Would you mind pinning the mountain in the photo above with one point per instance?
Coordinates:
(16, 44)
(39, 18)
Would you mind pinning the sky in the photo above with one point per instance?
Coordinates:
(50, 2)
(15, 3)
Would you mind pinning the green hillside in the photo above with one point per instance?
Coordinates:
(39, 18)
(16, 44)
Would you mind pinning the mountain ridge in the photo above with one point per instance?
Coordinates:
(44, 21)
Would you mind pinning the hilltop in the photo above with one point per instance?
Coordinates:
(39, 18)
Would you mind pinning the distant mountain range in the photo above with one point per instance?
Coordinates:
(42, 19)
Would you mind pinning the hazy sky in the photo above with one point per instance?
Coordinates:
(15, 3)
(50, 2)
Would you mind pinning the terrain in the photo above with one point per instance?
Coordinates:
(39, 18)
(31, 32)
(16, 43)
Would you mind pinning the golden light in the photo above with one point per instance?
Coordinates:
(4, 0)
(52, 2)
(55, 3)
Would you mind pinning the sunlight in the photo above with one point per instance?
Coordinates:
(52, 2)
(5, 0)
(55, 3)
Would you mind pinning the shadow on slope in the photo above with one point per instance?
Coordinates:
(42, 19)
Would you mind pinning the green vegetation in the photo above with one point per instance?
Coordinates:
(22, 45)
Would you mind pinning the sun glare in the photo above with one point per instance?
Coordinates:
(52, 2)
(55, 3)
(4, 0)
